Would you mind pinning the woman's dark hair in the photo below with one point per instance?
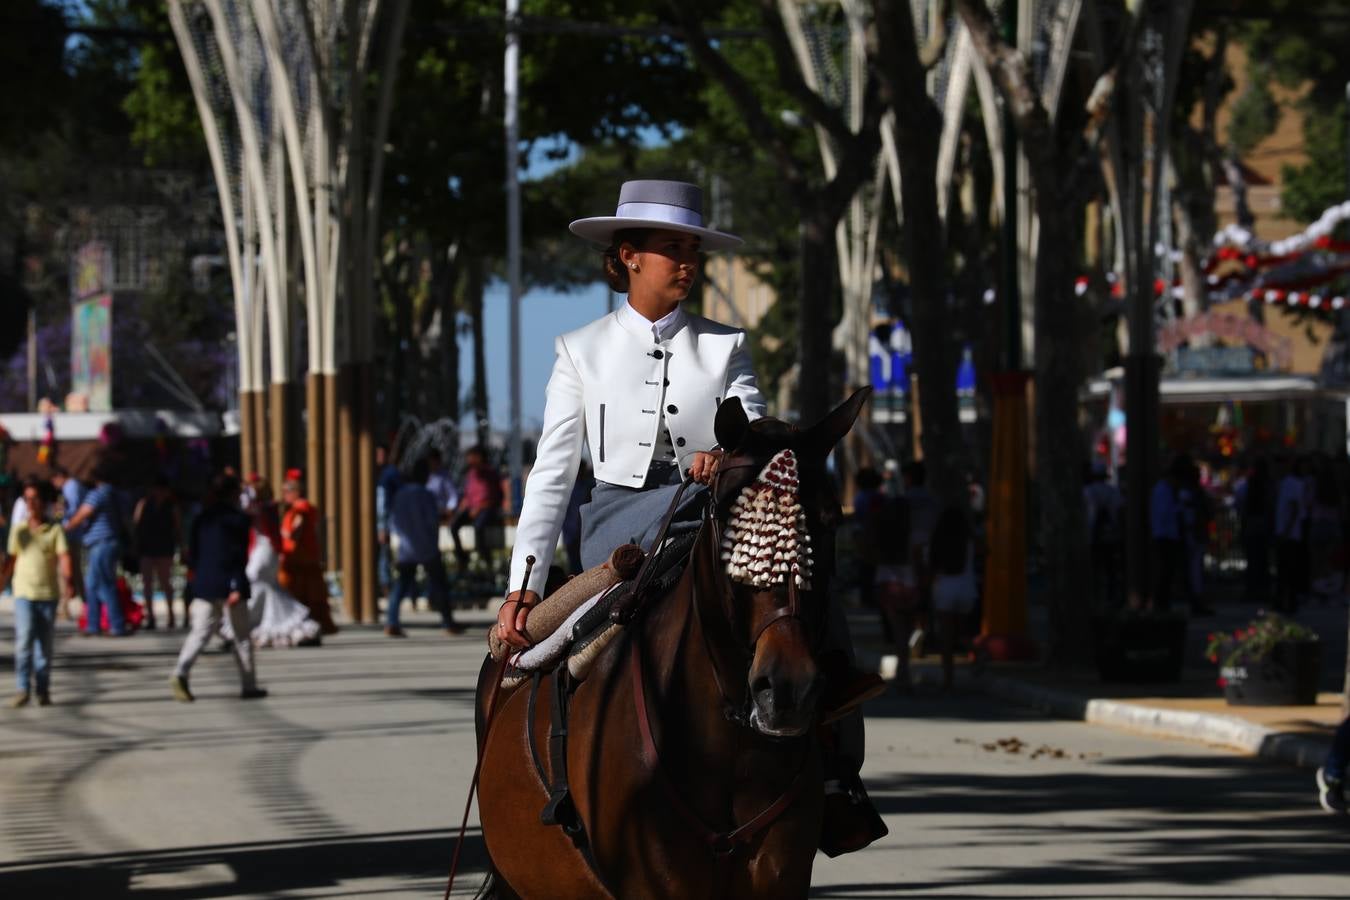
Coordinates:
(268, 523)
(616, 274)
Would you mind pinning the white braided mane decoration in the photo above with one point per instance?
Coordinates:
(766, 538)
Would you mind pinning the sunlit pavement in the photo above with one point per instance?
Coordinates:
(348, 780)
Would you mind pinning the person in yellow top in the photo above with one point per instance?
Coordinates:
(39, 564)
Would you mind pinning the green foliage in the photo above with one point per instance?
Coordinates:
(1255, 112)
(1303, 48)
(1255, 642)
(444, 173)
(1311, 188)
(164, 122)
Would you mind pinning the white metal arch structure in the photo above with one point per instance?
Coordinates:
(265, 15)
(232, 34)
(858, 232)
(1049, 24)
(250, 379)
(965, 66)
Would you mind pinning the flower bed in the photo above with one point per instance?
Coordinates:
(1271, 662)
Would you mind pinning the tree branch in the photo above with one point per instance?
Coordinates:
(1214, 92)
(1012, 74)
(761, 127)
(790, 75)
(857, 153)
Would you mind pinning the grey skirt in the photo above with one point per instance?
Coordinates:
(619, 515)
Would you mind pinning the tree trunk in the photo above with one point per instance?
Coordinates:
(404, 393)
(935, 350)
(1063, 324)
(473, 295)
(1194, 290)
(893, 48)
(815, 323)
(444, 277)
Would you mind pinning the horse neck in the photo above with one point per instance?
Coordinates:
(681, 679)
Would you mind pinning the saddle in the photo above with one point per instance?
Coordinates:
(594, 628)
(576, 622)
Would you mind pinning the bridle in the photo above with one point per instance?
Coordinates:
(736, 702)
(718, 643)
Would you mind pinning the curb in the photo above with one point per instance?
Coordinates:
(1229, 732)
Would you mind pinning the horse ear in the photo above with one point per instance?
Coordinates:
(830, 430)
(731, 423)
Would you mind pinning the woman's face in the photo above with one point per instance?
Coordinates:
(664, 266)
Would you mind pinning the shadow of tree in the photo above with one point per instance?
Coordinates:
(416, 863)
(1164, 819)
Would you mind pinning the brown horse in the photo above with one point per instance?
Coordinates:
(694, 758)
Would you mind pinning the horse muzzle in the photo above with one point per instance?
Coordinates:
(784, 708)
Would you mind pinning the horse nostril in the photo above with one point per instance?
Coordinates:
(762, 689)
(811, 693)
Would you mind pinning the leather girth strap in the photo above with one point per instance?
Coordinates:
(560, 810)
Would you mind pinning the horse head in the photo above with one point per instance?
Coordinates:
(778, 511)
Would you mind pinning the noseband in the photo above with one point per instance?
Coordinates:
(718, 639)
(719, 646)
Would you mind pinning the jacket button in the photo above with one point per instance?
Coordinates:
(679, 442)
(672, 409)
(657, 354)
(667, 384)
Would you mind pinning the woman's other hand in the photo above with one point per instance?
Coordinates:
(511, 618)
(704, 466)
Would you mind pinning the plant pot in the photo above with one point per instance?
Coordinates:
(1142, 649)
(1286, 677)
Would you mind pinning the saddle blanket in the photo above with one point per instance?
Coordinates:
(549, 651)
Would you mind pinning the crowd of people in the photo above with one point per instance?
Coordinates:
(412, 503)
(1282, 522)
(252, 564)
(252, 559)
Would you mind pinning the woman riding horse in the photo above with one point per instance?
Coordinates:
(641, 387)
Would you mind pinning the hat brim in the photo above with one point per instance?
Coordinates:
(600, 230)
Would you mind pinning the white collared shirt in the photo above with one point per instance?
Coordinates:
(607, 384)
(661, 330)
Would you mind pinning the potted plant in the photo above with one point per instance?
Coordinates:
(1271, 662)
(1140, 646)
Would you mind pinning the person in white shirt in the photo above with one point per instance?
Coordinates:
(640, 388)
(18, 515)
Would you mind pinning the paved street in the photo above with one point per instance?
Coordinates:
(346, 782)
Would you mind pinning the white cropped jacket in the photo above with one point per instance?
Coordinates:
(610, 384)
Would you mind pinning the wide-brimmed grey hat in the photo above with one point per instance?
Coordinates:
(670, 205)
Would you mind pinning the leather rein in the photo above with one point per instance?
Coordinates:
(722, 844)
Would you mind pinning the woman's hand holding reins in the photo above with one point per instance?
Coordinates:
(704, 466)
(511, 618)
